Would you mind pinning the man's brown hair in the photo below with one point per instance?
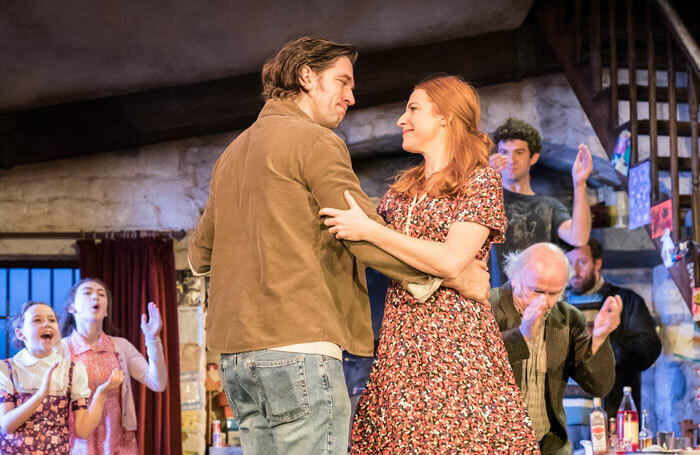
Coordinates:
(280, 74)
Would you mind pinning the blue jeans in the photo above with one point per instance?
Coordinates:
(287, 403)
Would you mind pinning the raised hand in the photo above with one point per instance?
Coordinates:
(498, 162)
(45, 386)
(473, 283)
(350, 224)
(151, 328)
(583, 165)
(608, 318)
(533, 316)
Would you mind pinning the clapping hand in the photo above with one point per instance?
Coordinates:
(608, 318)
(114, 381)
(151, 328)
(46, 381)
(498, 162)
(583, 165)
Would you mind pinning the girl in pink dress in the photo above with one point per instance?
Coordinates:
(37, 387)
(87, 316)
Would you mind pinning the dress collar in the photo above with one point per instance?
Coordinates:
(24, 358)
(79, 345)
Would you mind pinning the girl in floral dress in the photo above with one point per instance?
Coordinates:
(441, 381)
(87, 308)
(37, 386)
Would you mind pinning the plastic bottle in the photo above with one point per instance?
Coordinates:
(597, 419)
(668, 249)
(644, 433)
(627, 423)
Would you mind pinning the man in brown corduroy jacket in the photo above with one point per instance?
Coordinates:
(285, 295)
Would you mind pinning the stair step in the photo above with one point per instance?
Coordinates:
(686, 200)
(664, 162)
(660, 59)
(662, 127)
(623, 93)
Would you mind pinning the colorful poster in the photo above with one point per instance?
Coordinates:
(623, 150)
(696, 304)
(661, 218)
(639, 191)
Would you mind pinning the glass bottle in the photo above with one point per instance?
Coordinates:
(627, 423)
(612, 433)
(597, 419)
(644, 432)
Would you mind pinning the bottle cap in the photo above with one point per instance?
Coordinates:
(596, 402)
(627, 389)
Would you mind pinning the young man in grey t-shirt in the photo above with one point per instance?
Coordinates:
(532, 218)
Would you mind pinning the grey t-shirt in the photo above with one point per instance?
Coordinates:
(531, 219)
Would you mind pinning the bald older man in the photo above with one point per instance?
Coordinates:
(547, 341)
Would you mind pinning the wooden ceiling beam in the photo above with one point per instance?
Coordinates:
(227, 104)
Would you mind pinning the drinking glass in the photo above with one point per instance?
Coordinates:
(666, 439)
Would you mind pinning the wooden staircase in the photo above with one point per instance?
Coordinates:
(595, 41)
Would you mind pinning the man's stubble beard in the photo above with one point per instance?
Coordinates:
(586, 286)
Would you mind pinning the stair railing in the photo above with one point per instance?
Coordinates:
(562, 23)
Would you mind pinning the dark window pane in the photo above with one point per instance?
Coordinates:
(3, 293)
(41, 285)
(19, 289)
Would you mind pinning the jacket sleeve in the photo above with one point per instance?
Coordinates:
(635, 342)
(328, 172)
(594, 373)
(202, 240)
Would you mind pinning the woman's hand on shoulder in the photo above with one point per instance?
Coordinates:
(351, 224)
(151, 328)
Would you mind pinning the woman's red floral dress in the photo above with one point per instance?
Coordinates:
(441, 382)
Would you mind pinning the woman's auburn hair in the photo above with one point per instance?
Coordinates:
(468, 148)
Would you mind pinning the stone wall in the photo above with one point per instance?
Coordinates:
(165, 186)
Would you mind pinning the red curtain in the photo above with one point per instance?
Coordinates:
(138, 271)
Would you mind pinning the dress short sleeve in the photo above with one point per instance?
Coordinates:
(482, 203)
(7, 388)
(80, 391)
(383, 207)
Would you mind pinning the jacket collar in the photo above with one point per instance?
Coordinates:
(283, 107)
(79, 345)
(24, 358)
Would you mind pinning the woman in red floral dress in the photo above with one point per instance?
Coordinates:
(441, 382)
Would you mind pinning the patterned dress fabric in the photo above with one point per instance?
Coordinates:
(441, 381)
(46, 430)
(109, 437)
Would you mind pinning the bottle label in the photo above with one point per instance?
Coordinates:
(631, 431)
(598, 439)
